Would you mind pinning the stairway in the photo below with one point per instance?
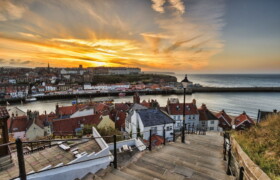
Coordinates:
(199, 158)
(6, 162)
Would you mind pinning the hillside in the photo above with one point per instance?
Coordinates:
(145, 78)
(262, 144)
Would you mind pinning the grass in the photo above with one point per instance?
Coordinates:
(262, 145)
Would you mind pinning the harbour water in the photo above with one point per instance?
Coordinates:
(234, 103)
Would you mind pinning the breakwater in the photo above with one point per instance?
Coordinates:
(235, 89)
(148, 92)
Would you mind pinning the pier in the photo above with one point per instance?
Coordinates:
(147, 92)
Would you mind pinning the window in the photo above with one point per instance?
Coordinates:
(169, 128)
(211, 128)
(154, 130)
(212, 122)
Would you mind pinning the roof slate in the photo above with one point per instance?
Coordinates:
(153, 117)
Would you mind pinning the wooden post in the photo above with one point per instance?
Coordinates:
(184, 118)
(31, 147)
(225, 147)
(163, 136)
(174, 138)
(21, 165)
(115, 152)
(150, 141)
(241, 173)
(229, 161)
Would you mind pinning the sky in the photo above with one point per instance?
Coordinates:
(182, 36)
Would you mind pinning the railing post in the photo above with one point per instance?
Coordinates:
(241, 173)
(115, 152)
(174, 138)
(163, 136)
(150, 141)
(21, 165)
(31, 147)
(229, 161)
(225, 147)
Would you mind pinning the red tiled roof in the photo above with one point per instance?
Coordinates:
(69, 110)
(241, 119)
(101, 107)
(18, 124)
(70, 124)
(48, 117)
(121, 106)
(120, 121)
(156, 140)
(145, 103)
(177, 109)
(205, 114)
(3, 112)
(224, 117)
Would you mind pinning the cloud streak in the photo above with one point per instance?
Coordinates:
(132, 34)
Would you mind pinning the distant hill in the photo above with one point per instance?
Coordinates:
(156, 72)
(262, 144)
(145, 78)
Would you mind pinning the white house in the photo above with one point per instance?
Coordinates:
(207, 120)
(176, 109)
(129, 122)
(144, 120)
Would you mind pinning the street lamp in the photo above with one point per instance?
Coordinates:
(185, 83)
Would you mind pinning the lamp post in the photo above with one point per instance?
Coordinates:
(185, 83)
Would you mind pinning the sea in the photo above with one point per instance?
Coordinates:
(234, 103)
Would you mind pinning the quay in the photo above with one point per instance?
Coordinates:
(147, 92)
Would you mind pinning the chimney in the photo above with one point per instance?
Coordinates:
(203, 106)
(194, 102)
(56, 110)
(136, 98)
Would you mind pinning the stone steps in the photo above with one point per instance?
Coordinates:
(6, 162)
(199, 159)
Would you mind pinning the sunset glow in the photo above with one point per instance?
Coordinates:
(153, 35)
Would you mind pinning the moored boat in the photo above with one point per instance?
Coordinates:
(30, 99)
(122, 94)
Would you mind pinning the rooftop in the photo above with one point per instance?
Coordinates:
(152, 117)
(3, 112)
(55, 155)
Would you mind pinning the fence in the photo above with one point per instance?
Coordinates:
(28, 147)
(233, 167)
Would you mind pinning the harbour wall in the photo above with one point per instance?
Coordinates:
(149, 92)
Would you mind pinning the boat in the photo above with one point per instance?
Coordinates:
(30, 99)
(122, 94)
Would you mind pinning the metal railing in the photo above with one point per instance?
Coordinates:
(23, 148)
